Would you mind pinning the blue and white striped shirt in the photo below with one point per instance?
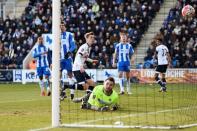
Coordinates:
(67, 43)
(42, 60)
(124, 53)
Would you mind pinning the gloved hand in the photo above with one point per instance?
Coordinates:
(115, 107)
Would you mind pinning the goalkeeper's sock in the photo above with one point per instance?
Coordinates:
(121, 83)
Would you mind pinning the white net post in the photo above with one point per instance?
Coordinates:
(55, 63)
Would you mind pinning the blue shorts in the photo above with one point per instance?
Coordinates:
(43, 71)
(66, 64)
(124, 67)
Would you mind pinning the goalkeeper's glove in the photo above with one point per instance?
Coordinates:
(105, 108)
(68, 54)
(115, 107)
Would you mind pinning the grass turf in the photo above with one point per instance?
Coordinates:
(22, 108)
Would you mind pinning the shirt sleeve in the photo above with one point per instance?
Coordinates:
(72, 43)
(35, 53)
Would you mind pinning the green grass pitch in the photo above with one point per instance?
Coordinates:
(22, 108)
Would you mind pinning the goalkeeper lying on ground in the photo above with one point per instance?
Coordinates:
(103, 97)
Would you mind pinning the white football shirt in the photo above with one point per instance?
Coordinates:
(162, 57)
(81, 56)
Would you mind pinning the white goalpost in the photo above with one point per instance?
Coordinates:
(55, 63)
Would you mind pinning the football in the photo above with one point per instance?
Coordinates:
(188, 10)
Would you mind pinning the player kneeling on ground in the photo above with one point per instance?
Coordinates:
(103, 97)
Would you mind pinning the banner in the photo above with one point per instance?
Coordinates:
(17, 75)
(137, 75)
(6, 76)
(172, 75)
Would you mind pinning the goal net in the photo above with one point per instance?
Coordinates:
(145, 107)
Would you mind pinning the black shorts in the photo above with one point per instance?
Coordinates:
(81, 77)
(161, 68)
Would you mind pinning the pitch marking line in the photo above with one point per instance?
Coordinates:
(116, 117)
(133, 115)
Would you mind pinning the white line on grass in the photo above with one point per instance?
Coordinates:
(82, 124)
(133, 115)
(41, 129)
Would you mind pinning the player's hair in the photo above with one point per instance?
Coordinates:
(63, 23)
(40, 37)
(159, 37)
(88, 34)
(123, 32)
(110, 79)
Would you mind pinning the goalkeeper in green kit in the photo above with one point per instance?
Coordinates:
(103, 97)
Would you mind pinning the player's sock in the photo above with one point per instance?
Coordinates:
(159, 81)
(164, 82)
(41, 83)
(72, 91)
(121, 83)
(90, 89)
(128, 86)
(62, 83)
(47, 84)
(71, 82)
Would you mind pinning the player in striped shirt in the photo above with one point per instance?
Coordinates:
(40, 54)
(123, 55)
(68, 47)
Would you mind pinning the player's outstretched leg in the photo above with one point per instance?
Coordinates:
(63, 91)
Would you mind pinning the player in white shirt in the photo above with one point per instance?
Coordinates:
(84, 81)
(124, 54)
(163, 60)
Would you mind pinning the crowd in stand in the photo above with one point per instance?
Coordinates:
(18, 35)
(105, 19)
(179, 34)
